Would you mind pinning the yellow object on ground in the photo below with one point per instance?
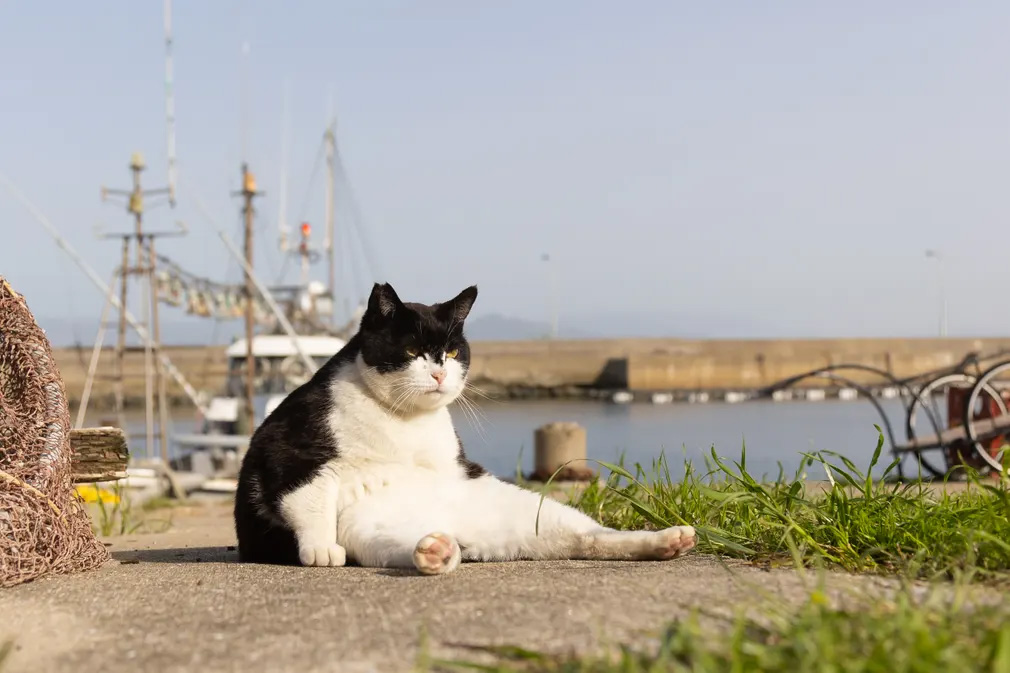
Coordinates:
(91, 493)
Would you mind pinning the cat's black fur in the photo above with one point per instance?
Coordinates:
(294, 442)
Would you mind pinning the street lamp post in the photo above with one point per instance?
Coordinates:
(935, 254)
(552, 278)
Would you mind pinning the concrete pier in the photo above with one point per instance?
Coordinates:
(567, 367)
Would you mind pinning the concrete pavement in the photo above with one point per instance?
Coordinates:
(179, 601)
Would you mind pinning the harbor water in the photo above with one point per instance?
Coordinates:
(501, 435)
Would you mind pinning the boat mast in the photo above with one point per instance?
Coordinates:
(145, 270)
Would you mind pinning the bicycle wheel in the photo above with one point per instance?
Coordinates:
(982, 385)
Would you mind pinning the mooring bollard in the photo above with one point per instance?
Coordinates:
(554, 445)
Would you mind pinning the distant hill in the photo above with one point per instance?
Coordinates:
(190, 331)
(614, 324)
(497, 327)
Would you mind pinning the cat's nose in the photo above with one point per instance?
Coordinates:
(438, 375)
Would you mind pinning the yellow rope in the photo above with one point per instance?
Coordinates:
(31, 489)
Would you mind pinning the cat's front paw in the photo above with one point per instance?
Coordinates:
(437, 554)
(331, 555)
(672, 542)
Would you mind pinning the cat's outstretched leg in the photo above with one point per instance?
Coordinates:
(311, 512)
(500, 523)
(432, 526)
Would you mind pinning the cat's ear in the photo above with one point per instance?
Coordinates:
(458, 308)
(383, 302)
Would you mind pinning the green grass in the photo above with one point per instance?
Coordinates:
(858, 523)
(900, 636)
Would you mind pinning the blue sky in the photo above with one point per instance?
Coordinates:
(701, 169)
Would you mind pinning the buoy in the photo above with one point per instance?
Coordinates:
(661, 398)
(622, 397)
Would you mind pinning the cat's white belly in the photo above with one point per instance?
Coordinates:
(400, 492)
(361, 482)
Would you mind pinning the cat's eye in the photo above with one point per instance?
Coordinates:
(411, 353)
(452, 354)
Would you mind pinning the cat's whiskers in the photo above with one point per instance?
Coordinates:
(474, 424)
(471, 411)
(399, 391)
(468, 387)
(408, 393)
(474, 406)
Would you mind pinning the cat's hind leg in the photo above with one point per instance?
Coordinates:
(405, 528)
(500, 523)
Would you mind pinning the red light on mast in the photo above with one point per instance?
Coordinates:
(306, 229)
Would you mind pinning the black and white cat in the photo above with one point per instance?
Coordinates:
(362, 463)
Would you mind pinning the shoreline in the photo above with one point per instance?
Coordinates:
(177, 401)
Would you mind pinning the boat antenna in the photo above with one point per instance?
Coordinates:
(331, 156)
(282, 193)
(244, 128)
(169, 104)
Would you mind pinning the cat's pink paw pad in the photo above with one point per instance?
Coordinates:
(672, 542)
(436, 554)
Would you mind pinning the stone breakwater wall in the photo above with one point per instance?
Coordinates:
(579, 367)
(705, 365)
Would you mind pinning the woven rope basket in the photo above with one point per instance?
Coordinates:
(44, 528)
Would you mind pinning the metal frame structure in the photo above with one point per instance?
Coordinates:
(978, 373)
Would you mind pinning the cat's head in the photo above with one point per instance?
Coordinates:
(414, 357)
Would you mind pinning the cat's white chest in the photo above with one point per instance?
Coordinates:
(372, 440)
